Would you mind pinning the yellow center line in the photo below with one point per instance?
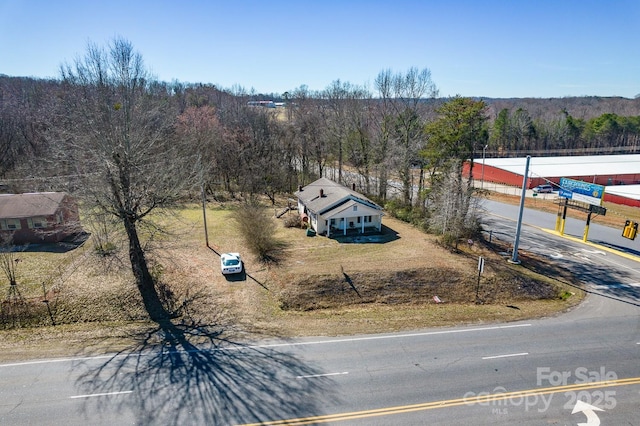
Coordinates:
(448, 403)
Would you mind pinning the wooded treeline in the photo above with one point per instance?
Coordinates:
(564, 126)
(346, 126)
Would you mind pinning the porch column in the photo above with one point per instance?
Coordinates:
(344, 227)
(362, 220)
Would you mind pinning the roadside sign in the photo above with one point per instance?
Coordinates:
(480, 271)
(581, 191)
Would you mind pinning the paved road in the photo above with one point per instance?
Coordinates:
(529, 373)
(608, 263)
(447, 376)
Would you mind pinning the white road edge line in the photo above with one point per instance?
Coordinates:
(505, 356)
(384, 337)
(321, 375)
(99, 394)
(50, 361)
(286, 344)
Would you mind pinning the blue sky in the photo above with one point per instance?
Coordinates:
(490, 48)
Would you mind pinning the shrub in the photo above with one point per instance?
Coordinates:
(293, 221)
(407, 213)
(258, 229)
(105, 249)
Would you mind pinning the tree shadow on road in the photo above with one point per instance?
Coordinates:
(603, 280)
(617, 247)
(182, 374)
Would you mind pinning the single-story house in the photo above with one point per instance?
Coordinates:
(334, 209)
(39, 217)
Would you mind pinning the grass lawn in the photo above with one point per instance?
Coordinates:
(321, 287)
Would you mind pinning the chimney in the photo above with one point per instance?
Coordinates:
(353, 186)
(299, 187)
(321, 192)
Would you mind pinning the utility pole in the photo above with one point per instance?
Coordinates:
(204, 215)
(514, 256)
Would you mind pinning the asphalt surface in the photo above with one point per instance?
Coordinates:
(607, 263)
(529, 373)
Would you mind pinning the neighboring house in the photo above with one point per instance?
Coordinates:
(41, 217)
(333, 209)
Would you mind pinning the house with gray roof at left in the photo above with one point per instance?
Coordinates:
(39, 217)
(332, 209)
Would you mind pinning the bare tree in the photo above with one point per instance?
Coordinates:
(119, 138)
(358, 147)
(23, 104)
(201, 129)
(264, 164)
(14, 303)
(336, 96)
(403, 98)
(310, 132)
(9, 264)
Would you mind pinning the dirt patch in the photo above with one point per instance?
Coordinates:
(414, 286)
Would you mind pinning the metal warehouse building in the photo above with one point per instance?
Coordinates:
(620, 174)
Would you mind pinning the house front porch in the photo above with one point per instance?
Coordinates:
(335, 232)
(371, 235)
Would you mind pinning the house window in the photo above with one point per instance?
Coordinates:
(37, 222)
(11, 224)
(368, 219)
(359, 219)
(355, 208)
(333, 222)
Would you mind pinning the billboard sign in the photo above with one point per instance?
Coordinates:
(581, 191)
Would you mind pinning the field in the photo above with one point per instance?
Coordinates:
(321, 287)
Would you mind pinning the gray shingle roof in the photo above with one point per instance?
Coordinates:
(16, 206)
(333, 193)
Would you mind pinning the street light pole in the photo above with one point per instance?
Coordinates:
(483, 155)
(514, 257)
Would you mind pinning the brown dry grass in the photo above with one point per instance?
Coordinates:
(322, 287)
